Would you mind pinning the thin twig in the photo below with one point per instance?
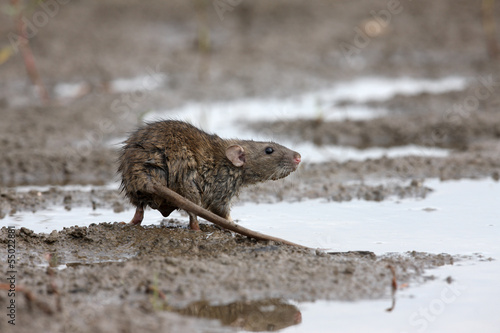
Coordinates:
(394, 285)
(53, 286)
(489, 27)
(30, 297)
(154, 289)
(27, 54)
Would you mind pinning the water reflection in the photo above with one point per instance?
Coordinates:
(255, 316)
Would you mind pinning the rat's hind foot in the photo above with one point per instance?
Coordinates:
(193, 222)
(138, 216)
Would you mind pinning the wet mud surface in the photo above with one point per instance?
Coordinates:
(122, 278)
(444, 130)
(163, 272)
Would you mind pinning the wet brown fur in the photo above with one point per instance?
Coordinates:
(194, 164)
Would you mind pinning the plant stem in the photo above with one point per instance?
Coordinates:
(28, 57)
(489, 27)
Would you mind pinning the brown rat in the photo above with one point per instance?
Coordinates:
(202, 167)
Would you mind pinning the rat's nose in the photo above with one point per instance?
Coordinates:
(296, 158)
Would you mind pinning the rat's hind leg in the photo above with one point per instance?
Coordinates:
(193, 222)
(138, 216)
(192, 194)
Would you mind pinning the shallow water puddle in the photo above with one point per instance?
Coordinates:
(214, 116)
(149, 82)
(229, 119)
(57, 218)
(468, 304)
(459, 217)
(317, 154)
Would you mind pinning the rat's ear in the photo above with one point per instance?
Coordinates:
(236, 154)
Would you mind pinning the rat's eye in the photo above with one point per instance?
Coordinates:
(269, 150)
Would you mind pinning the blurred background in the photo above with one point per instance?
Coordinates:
(76, 75)
(386, 100)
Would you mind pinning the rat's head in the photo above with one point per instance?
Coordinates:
(261, 161)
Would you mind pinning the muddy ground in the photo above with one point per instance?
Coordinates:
(121, 278)
(115, 267)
